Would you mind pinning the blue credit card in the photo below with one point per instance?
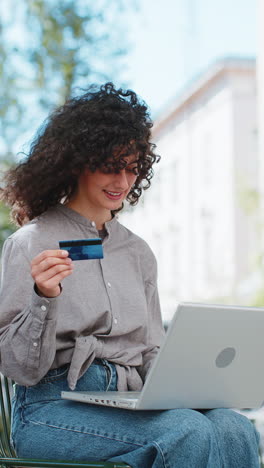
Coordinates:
(83, 249)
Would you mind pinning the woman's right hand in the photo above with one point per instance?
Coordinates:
(48, 269)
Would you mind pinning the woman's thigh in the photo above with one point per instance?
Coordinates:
(65, 429)
(45, 426)
(237, 438)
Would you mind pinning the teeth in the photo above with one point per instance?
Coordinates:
(114, 193)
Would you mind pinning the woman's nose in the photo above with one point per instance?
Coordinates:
(121, 180)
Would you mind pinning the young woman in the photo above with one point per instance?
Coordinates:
(94, 324)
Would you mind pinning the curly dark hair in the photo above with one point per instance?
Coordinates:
(95, 130)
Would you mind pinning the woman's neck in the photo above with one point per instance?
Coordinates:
(100, 218)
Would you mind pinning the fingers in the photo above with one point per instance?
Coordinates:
(50, 287)
(49, 254)
(51, 273)
(49, 268)
(47, 262)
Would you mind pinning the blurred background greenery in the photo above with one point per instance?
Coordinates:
(47, 51)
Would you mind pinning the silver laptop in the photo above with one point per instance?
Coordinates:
(211, 357)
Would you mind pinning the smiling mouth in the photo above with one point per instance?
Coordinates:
(113, 195)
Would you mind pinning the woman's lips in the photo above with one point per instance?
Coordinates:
(113, 195)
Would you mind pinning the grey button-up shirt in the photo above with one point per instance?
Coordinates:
(108, 308)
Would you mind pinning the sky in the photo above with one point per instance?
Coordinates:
(174, 40)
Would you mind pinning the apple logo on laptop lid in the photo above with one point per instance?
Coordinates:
(225, 357)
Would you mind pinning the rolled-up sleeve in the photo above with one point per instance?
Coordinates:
(27, 321)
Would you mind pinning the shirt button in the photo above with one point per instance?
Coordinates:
(35, 344)
(93, 223)
(43, 307)
(115, 321)
(109, 284)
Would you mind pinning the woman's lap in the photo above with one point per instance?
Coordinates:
(234, 432)
(62, 429)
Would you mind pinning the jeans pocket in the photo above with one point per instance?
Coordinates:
(49, 387)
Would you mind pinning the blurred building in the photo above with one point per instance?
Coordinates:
(199, 215)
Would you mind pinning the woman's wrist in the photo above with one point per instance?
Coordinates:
(47, 295)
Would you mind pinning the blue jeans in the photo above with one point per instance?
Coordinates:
(45, 426)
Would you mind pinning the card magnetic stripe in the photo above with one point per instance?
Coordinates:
(79, 243)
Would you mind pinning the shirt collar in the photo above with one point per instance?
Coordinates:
(80, 219)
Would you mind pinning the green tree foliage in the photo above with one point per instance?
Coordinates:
(6, 227)
(47, 50)
(251, 204)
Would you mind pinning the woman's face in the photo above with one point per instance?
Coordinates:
(106, 191)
